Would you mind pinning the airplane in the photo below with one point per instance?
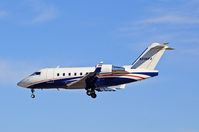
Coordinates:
(103, 77)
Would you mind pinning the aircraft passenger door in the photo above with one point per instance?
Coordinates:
(50, 75)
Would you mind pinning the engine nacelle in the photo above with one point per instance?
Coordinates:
(106, 68)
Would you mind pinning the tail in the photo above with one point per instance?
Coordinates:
(151, 56)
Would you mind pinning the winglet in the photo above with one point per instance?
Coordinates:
(165, 43)
(170, 48)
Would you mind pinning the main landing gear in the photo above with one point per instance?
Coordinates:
(32, 96)
(91, 93)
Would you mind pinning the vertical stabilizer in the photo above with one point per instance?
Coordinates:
(151, 56)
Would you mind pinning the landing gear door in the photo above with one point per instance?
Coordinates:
(50, 75)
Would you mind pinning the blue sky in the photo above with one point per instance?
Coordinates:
(35, 34)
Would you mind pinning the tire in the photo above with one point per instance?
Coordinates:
(88, 93)
(33, 96)
(94, 95)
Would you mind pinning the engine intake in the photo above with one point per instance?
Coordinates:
(111, 69)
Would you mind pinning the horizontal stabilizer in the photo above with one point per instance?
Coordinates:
(162, 46)
(169, 48)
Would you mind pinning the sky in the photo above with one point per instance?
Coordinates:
(36, 34)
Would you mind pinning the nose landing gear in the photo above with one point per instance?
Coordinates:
(32, 96)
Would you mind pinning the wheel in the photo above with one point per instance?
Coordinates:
(93, 95)
(33, 96)
(88, 93)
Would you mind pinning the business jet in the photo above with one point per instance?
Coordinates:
(103, 77)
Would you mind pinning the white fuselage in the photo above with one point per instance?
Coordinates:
(61, 77)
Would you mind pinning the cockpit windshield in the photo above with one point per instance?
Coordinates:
(36, 73)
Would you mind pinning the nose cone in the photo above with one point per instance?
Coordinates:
(20, 84)
(23, 83)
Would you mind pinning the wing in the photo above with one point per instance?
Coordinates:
(88, 81)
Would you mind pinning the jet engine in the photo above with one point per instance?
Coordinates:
(106, 68)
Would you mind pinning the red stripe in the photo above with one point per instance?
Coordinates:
(124, 75)
(135, 76)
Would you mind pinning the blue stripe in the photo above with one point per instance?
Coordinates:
(69, 78)
(59, 83)
(112, 81)
(101, 82)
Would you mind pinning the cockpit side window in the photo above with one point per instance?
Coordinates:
(36, 73)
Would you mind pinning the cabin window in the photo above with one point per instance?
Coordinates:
(69, 74)
(64, 74)
(75, 74)
(81, 73)
(57, 74)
